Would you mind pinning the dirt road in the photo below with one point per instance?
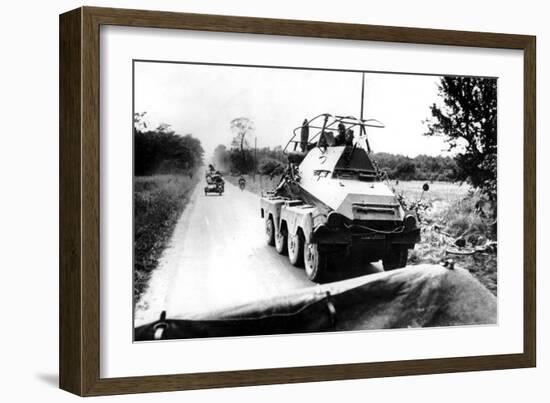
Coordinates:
(217, 257)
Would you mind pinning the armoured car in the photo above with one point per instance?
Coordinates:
(333, 204)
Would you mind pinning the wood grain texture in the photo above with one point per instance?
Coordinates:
(316, 29)
(530, 203)
(79, 200)
(70, 274)
(90, 202)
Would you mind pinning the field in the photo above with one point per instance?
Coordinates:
(158, 203)
(448, 213)
(439, 191)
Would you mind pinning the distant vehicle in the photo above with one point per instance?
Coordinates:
(242, 183)
(214, 183)
(332, 203)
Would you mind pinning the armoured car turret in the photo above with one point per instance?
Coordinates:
(332, 205)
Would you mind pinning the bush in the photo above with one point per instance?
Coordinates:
(271, 167)
(165, 152)
(444, 222)
(464, 218)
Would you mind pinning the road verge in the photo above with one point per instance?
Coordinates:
(159, 201)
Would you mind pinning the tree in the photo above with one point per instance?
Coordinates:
(163, 151)
(405, 170)
(221, 158)
(241, 127)
(140, 122)
(468, 120)
(241, 162)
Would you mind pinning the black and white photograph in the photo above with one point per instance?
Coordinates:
(274, 200)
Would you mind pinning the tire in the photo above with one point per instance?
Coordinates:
(315, 262)
(396, 258)
(281, 241)
(269, 232)
(295, 247)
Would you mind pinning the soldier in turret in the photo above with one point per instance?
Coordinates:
(304, 136)
(349, 137)
(340, 139)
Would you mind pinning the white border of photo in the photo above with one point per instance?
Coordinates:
(120, 357)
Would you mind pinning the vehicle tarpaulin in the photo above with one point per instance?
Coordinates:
(416, 296)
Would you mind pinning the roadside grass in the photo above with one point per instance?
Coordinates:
(158, 203)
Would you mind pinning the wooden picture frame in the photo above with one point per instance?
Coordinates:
(79, 346)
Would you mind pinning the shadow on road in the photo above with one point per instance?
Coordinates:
(347, 269)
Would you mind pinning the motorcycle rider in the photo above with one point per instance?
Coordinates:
(242, 182)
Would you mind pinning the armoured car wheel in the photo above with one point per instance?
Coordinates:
(295, 249)
(270, 231)
(281, 241)
(396, 258)
(315, 262)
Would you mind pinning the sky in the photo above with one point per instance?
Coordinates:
(202, 100)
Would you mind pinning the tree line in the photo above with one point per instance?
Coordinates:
(272, 161)
(421, 167)
(264, 160)
(163, 151)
